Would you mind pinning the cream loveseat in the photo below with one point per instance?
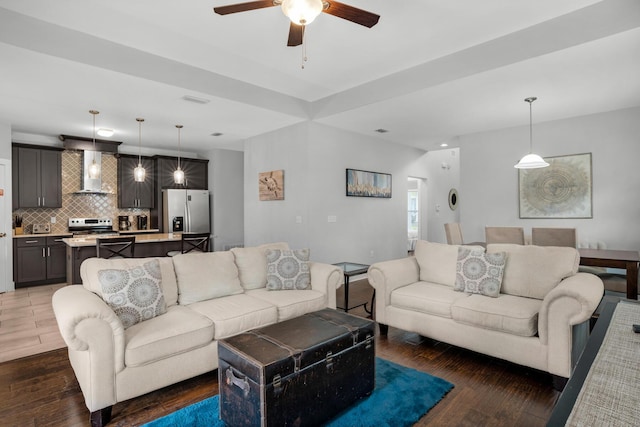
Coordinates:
(208, 296)
(538, 317)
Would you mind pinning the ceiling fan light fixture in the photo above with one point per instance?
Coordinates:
(302, 12)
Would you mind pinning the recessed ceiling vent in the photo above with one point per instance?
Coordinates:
(381, 130)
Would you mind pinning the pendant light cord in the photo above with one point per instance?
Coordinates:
(530, 101)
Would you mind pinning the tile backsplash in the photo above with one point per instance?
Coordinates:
(81, 205)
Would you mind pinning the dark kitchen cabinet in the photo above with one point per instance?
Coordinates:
(132, 194)
(196, 176)
(39, 260)
(39, 177)
(195, 173)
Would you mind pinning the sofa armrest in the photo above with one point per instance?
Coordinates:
(389, 275)
(95, 337)
(73, 305)
(326, 278)
(570, 303)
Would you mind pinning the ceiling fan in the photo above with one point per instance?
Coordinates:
(303, 12)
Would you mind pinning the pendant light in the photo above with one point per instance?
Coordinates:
(139, 172)
(94, 169)
(531, 161)
(178, 174)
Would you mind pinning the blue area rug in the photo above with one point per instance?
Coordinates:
(400, 398)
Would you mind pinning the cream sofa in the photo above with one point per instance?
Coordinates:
(209, 296)
(539, 319)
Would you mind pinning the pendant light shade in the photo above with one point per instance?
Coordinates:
(531, 161)
(302, 12)
(178, 174)
(139, 172)
(94, 169)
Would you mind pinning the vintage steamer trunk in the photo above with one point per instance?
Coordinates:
(300, 372)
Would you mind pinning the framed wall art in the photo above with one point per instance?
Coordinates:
(271, 185)
(561, 190)
(368, 184)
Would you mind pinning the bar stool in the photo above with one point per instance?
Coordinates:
(192, 242)
(116, 247)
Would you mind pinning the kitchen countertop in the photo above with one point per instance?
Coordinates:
(22, 236)
(76, 242)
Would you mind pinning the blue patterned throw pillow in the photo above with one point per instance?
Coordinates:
(288, 269)
(134, 294)
(478, 272)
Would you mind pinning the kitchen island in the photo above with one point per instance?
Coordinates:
(147, 245)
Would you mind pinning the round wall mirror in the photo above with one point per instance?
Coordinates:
(453, 199)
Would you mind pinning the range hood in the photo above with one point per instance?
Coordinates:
(91, 186)
(86, 145)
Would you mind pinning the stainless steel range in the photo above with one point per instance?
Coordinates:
(91, 226)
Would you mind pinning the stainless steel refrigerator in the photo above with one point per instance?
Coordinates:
(185, 210)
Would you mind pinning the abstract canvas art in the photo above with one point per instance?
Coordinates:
(368, 184)
(561, 190)
(271, 185)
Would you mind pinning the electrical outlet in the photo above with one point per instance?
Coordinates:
(53, 220)
(371, 254)
(332, 218)
(298, 219)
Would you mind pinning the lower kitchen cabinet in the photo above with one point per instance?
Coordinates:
(39, 260)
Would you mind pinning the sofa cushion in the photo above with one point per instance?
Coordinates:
(252, 264)
(532, 271)
(478, 272)
(179, 330)
(437, 262)
(430, 298)
(292, 303)
(507, 313)
(206, 275)
(134, 294)
(236, 313)
(288, 269)
(90, 267)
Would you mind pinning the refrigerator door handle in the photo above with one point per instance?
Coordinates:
(187, 216)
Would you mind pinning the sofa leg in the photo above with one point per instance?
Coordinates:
(559, 382)
(100, 417)
(384, 329)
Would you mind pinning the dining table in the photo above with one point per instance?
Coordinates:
(613, 258)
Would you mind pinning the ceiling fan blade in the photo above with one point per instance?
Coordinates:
(352, 14)
(296, 34)
(243, 7)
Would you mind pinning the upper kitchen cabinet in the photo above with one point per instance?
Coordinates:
(195, 172)
(39, 172)
(132, 194)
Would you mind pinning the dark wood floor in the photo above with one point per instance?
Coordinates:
(41, 390)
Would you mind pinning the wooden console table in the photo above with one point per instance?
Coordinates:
(627, 260)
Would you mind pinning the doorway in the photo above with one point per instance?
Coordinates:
(6, 237)
(416, 214)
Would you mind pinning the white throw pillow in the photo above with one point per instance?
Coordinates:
(134, 294)
(252, 264)
(288, 269)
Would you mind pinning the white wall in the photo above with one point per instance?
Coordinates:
(489, 182)
(226, 174)
(314, 158)
(443, 174)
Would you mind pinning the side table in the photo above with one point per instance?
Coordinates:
(353, 269)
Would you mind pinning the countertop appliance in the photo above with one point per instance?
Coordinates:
(185, 210)
(142, 222)
(91, 226)
(124, 224)
(41, 228)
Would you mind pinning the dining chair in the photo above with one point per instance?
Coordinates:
(453, 230)
(542, 236)
(504, 235)
(116, 247)
(192, 242)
